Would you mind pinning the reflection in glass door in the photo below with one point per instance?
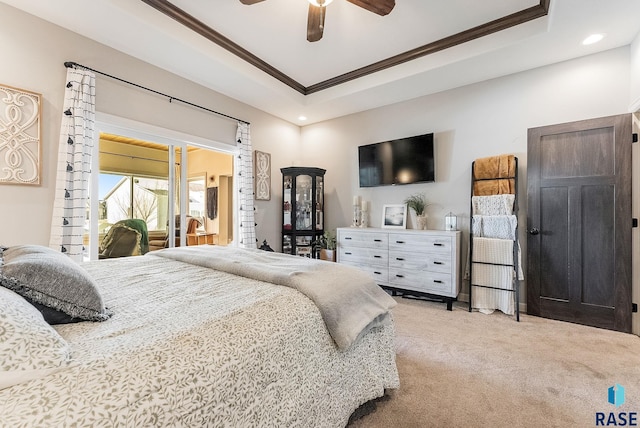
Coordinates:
(196, 186)
(123, 197)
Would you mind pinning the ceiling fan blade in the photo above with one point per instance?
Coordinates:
(250, 1)
(315, 23)
(380, 7)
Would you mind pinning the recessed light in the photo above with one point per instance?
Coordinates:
(302, 117)
(594, 38)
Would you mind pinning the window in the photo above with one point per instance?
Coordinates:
(129, 196)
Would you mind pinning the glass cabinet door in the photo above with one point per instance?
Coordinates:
(303, 202)
(287, 204)
(319, 207)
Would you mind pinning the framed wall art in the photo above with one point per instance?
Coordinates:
(20, 131)
(262, 175)
(394, 216)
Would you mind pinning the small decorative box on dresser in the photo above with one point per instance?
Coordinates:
(414, 262)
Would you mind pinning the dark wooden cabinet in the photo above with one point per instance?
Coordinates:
(302, 209)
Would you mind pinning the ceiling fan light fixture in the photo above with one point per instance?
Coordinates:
(320, 3)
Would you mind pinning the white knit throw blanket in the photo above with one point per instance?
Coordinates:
(349, 300)
(494, 226)
(493, 204)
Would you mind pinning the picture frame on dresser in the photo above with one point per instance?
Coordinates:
(394, 216)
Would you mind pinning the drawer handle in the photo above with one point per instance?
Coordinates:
(437, 281)
(437, 263)
(378, 273)
(377, 257)
(437, 244)
(348, 253)
(399, 242)
(348, 238)
(377, 240)
(399, 258)
(400, 276)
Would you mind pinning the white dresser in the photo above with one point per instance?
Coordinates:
(415, 262)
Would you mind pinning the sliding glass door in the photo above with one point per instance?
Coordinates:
(154, 182)
(134, 182)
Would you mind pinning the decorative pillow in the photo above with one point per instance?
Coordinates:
(50, 278)
(28, 345)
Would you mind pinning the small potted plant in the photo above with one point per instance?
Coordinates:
(418, 203)
(327, 244)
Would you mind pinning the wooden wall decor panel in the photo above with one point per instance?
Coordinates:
(262, 175)
(20, 134)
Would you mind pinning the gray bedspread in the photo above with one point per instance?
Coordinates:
(189, 346)
(349, 300)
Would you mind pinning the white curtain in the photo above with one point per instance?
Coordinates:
(244, 180)
(74, 164)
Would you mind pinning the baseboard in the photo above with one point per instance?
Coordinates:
(464, 297)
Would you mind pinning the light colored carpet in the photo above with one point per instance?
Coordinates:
(461, 369)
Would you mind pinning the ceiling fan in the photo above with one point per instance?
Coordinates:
(315, 18)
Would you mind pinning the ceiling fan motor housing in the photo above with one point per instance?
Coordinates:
(315, 17)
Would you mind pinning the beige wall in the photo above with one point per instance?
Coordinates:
(33, 55)
(635, 74)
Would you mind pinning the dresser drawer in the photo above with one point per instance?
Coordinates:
(427, 282)
(379, 273)
(432, 262)
(358, 238)
(420, 243)
(364, 256)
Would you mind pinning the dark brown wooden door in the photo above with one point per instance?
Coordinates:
(579, 222)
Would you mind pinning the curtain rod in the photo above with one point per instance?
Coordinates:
(70, 64)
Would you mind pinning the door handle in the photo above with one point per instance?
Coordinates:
(534, 231)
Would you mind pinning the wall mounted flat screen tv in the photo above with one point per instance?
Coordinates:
(402, 161)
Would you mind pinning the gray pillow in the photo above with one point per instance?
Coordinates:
(51, 279)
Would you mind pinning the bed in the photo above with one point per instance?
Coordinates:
(199, 336)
